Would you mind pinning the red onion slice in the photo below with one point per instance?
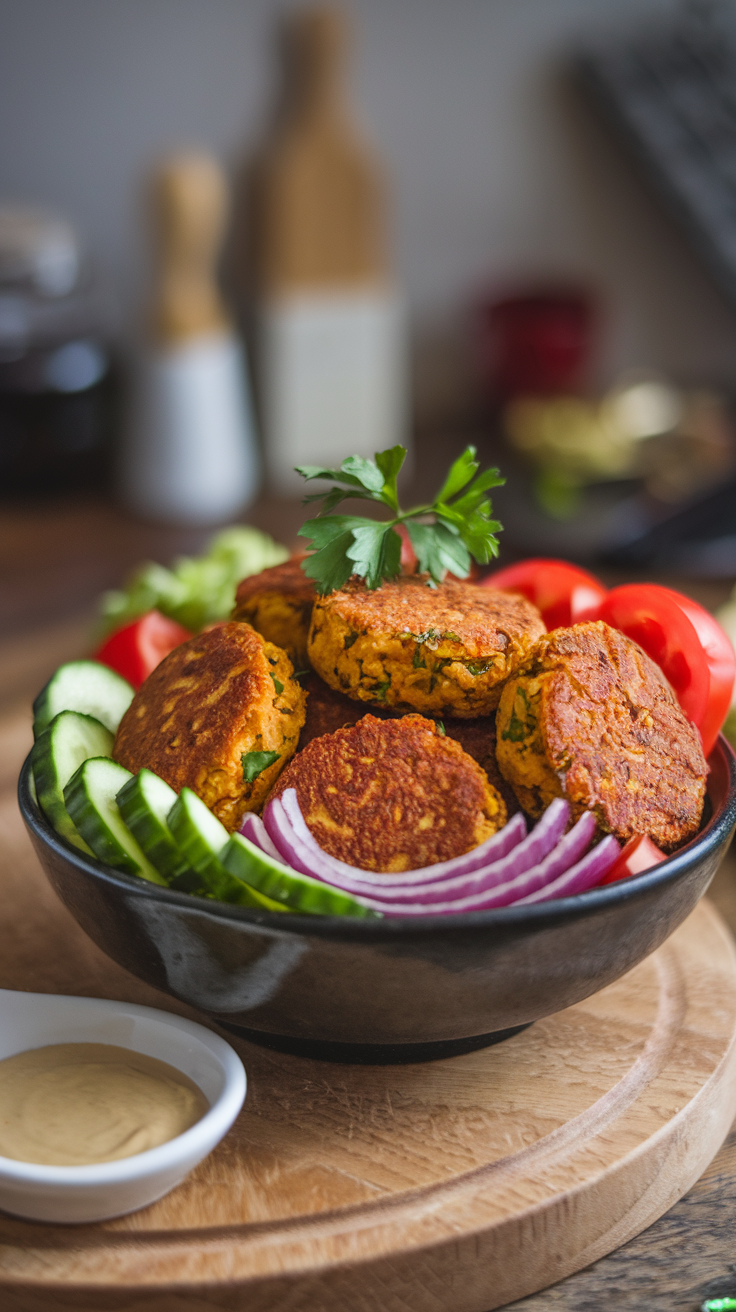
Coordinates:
(503, 881)
(543, 842)
(569, 850)
(493, 849)
(549, 872)
(293, 838)
(586, 874)
(255, 831)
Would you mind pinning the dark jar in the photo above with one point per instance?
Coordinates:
(55, 368)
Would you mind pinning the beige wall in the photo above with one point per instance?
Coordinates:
(498, 170)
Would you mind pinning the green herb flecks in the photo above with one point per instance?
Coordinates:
(440, 728)
(519, 728)
(254, 763)
(437, 670)
(278, 685)
(430, 638)
(480, 667)
(445, 533)
(349, 639)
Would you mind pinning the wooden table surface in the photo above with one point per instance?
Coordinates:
(54, 559)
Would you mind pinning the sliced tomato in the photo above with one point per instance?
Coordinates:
(563, 593)
(136, 649)
(687, 643)
(639, 854)
(721, 660)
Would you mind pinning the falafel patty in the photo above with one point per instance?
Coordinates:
(478, 738)
(220, 715)
(328, 710)
(588, 716)
(278, 603)
(393, 794)
(440, 651)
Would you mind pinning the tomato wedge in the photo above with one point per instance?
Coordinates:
(721, 660)
(409, 561)
(136, 649)
(639, 854)
(687, 643)
(562, 592)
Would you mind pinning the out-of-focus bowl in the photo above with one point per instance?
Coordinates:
(397, 990)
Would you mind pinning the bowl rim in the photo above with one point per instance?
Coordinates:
(716, 832)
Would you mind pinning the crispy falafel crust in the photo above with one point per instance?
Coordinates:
(328, 710)
(439, 651)
(278, 603)
(590, 717)
(218, 696)
(393, 794)
(478, 738)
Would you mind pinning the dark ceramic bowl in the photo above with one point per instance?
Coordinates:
(400, 990)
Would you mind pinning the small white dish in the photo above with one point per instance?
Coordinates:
(75, 1194)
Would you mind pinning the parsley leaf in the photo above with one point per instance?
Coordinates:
(254, 763)
(444, 534)
(376, 553)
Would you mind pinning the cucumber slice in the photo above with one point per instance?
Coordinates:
(87, 687)
(70, 739)
(90, 800)
(300, 893)
(201, 838)
(145, 802)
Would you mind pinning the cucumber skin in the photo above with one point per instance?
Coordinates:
(207, 876)
(95, 830)
(220, 886)
(300, 893)
(44, 711)
(199, 852)
(49, 786)
(151, 833)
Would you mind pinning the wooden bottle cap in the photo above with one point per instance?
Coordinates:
(189, 206)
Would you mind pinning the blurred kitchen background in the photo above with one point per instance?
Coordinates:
(238, 235)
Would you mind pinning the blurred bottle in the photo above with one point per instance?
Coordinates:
(330, 330)
(54, 364)
(535, 343)
(189, 454)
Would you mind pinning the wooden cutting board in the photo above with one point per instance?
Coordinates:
(455, 1186)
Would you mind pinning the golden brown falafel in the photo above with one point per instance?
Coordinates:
(590, 717)
(278, 603)
(441, 651)
(478, 738)
(211, 703)
(328, 710)
(393, 794)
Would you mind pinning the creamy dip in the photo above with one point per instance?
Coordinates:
(72, 1104)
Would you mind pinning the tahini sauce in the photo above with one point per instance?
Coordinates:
(72, 1104)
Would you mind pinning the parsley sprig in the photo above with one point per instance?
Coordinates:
(444, 534)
